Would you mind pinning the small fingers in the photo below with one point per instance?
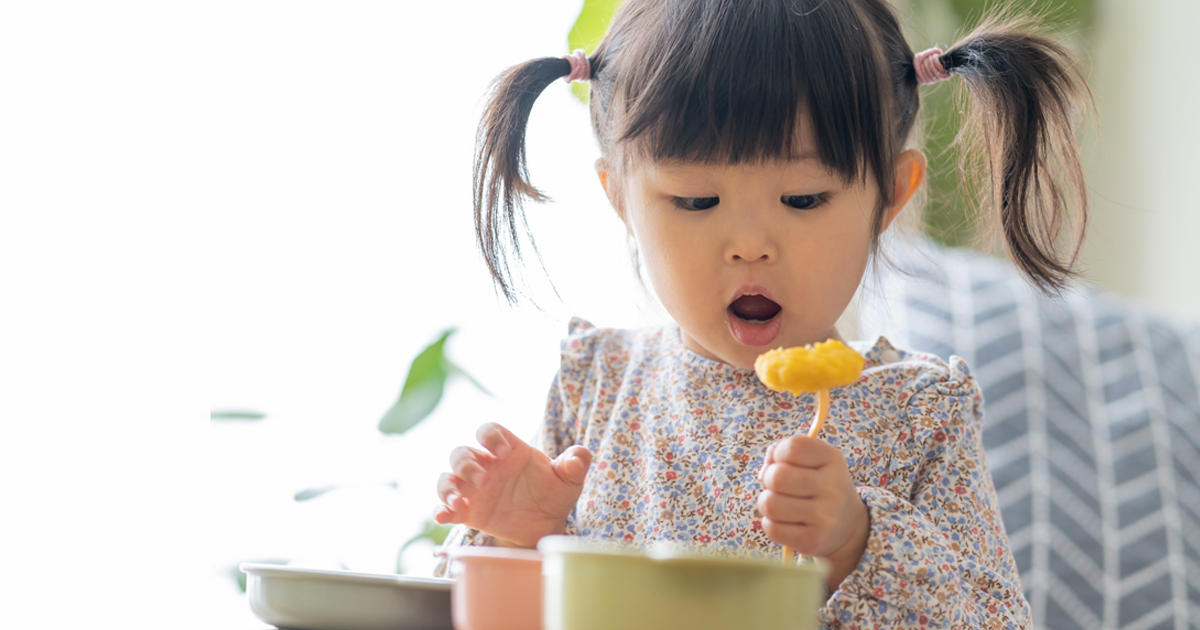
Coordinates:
(805, 451)
(572, 465)
(464, 461)
(496, 439)
(803, 538)
(781, 508)
(444, 516)
(453, 508)
(787, 479)
(447, 484)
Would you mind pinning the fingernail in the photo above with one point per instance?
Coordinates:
(476, 478)
(501, 451)
(450, 500)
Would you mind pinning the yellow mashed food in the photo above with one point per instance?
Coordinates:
(810, 368)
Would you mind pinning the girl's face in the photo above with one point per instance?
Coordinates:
(753, 257)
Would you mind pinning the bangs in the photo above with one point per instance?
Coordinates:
(731, 81)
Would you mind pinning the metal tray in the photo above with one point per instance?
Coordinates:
(315, 599)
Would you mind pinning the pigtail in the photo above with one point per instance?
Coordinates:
(1020, 135)
(501, 181)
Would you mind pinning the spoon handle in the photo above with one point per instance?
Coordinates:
(822, 412)
(822, 415)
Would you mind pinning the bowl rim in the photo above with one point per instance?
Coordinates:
(336, 576)
(670, 554)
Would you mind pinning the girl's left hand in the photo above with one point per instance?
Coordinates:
(810, 503)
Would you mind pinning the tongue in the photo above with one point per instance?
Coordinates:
(754, 307)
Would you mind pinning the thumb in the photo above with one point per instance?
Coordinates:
(572, 465)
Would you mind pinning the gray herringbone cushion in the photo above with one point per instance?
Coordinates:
(1092, 434)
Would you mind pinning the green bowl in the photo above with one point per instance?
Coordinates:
(592, 587)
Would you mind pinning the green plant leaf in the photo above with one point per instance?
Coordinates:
(430, 531)
(240, 577)
(235, 414)
(587, 32)
(312, 493)
(423, 388)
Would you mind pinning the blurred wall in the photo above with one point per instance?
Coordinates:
(1143, 166)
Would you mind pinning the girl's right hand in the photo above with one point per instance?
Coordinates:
(511, 490)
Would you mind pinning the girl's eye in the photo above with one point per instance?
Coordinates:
(804, 202)
(696, 203)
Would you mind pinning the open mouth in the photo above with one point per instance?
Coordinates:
(754, 319)
(755, 309)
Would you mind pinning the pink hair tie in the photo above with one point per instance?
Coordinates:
(581, 68)
(929, 66)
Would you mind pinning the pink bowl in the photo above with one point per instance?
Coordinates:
(496, 588)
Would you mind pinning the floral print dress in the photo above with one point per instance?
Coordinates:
(678, 439)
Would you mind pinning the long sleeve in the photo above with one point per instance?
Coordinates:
(938, 556)
(558, 432)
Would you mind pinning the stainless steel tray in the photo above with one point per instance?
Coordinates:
(315, 599)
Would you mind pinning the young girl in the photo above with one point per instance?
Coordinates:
(756, 150)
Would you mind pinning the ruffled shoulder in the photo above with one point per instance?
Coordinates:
(581, 337)
(942, 382)
(931, 403)
(881, 352)
(594, 361)
(917, 371)
(578, 348)
(585, 344)
(938, 402)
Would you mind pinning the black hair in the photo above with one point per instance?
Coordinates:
(727, 82)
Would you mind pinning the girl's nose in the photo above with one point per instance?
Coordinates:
(751, 240)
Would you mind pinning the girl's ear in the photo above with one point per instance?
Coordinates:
(910, 175)
(611, 189)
